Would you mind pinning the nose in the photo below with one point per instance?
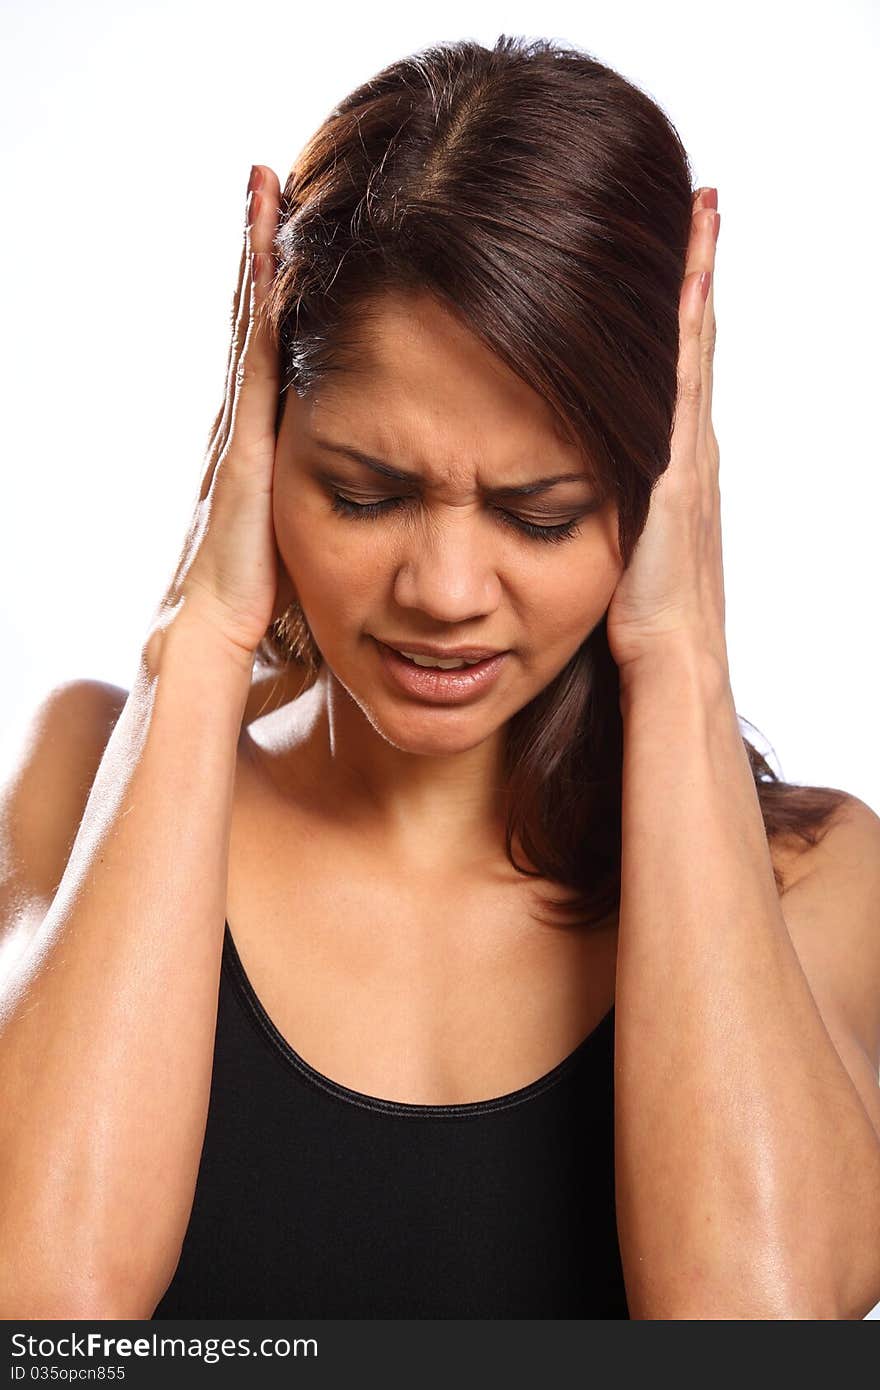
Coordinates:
(447, 574)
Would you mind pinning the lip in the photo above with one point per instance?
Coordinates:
(444, 653)
(441, 687)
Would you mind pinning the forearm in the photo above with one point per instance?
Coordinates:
(108, 1028)
(742, 1146)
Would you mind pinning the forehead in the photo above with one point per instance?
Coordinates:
(428, 393)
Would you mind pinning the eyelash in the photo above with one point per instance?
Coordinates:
(370, 510)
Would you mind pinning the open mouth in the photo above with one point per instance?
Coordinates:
(432, 663)
(446, 683)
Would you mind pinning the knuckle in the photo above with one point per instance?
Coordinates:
(245, 372)
(690, 386)
(239, 330)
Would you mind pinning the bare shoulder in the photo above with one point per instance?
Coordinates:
(832, 911)
(842, 870)
(48, 772)
(46, 778)
(795, 858)
(61, 742)
(853, 836)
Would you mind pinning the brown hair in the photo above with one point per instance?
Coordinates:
(545, 201)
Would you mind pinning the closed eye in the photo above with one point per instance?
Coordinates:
(365, 511)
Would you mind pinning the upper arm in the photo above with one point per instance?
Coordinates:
(43, 794)
(45, 785)
(832, 913)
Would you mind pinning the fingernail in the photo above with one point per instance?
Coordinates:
(709, 198)
(717, 227)
(256, 179)
(705, 280)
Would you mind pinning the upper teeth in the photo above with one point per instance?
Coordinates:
(435, 661)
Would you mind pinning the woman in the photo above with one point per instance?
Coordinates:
(514, 989)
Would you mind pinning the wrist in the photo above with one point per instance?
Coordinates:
(181, 639)
(682, 669)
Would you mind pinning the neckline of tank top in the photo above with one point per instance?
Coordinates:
(379, 1104)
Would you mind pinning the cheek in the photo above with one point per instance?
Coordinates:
(568, 596)
(330, 571)
(290, 522)
(337, 569)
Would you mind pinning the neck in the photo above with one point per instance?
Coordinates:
(422, 809)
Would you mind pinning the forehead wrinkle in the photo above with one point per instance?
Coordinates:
(535, 487)
(357, 423)
(456, 468)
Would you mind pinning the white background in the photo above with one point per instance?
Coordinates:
(128, 131)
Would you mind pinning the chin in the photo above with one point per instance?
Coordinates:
(438, 732)
(429, 731)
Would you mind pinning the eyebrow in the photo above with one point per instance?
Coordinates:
(404, 476)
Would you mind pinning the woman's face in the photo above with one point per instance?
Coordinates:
(445, 563)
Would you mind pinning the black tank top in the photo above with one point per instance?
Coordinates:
(316, 1201)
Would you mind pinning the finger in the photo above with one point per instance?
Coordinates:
(708, 335)
(241, 318)
(234, 312)
(259, 233)
(220, 427)
(255, 406)
(265, 186)
(706, 201)
(707, 350)
(696, 329)
(690, 376)
(233, 315)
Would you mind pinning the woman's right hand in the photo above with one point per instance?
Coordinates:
(227, 576)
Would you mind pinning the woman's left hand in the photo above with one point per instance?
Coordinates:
(670, 598)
